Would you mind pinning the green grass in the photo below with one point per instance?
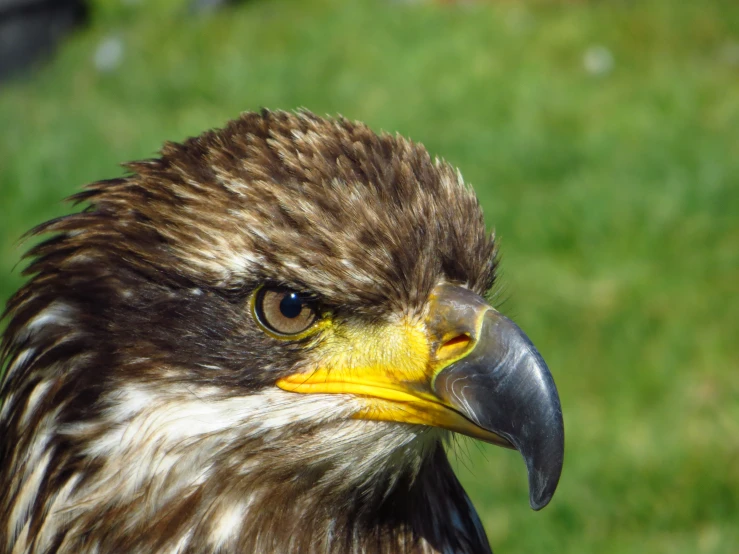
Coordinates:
(616, 198)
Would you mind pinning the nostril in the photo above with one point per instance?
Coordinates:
(458, 340)
(454, 347)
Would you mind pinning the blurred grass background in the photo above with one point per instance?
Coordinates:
(603, 140)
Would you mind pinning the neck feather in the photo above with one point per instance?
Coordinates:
(201, 471)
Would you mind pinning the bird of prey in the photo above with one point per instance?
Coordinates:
(261, 341)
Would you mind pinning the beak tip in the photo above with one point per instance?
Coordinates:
(540, 494)
(544, 473)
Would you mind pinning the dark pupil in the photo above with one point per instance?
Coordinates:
(291, 305)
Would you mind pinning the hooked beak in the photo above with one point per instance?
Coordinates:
(504, 386)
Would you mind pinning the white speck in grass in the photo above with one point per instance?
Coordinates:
(598, 60)
(109, 54)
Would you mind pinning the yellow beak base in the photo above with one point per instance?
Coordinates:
(391, 367)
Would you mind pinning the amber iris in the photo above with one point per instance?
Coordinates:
(284, 311)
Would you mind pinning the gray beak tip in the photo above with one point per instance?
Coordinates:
(544, 457)
(541, 487)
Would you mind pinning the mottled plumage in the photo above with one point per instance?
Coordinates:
(140, 411)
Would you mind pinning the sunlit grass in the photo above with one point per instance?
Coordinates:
(614, 191)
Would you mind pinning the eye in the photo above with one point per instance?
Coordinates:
(283, 311)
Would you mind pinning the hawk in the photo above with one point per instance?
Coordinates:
(261, 341)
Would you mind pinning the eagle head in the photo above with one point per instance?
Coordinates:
(259, 342)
